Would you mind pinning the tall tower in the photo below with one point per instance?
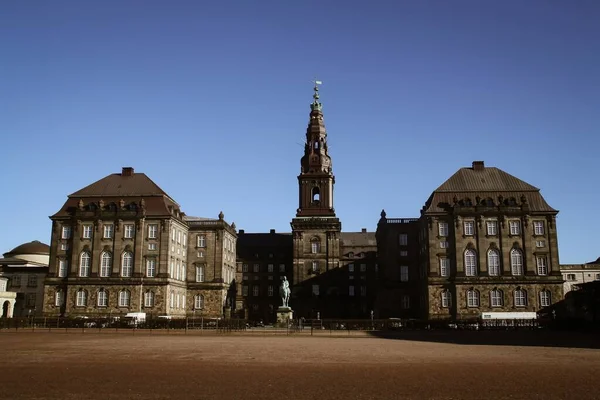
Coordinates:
(316, 229)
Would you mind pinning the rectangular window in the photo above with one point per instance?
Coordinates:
(281, 267)
(403, 239)
(496, 298)
(404, 273)
(492, 228)
(151, 268)
(244, 267)
(571, 277)
(59, 298)
(472, 298)
(102, 299)
(314, 247)
(350, 290)
(315, 290)
(540, 243)
(30, 301)
(200, 273)
(443, 229)
(545, 298)
(270, 268)
(363, 291)
(201, 241)
(66, 232)
(403, 253)
(173, 233)
(405, 301)
(542, 266)
(446, 299)
(81, 298)
(350, 267)
(469, 228)
(363, 267)
(515, 227)
(62, 268)
(538, 227)
(255, 290)
(87, 231)
(149, 299)
(129, 230)
(152, 231)
(64, 246)
(445, 267)
(315, 266)
(178, 237)
(151, 246)
(107, 231)
(270, 291)
(184, 240)
(245, 290)
(256, 267)
(443, 245)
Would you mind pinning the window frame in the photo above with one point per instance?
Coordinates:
(444, 269)
(470, 224)
(514, 227)
(85, 268)
(81, 298)
(496, 298)
(520, 297)
(473, 298)
(200, 273)
(127, 264)
(493, 260)
(443, 229)
(108, 231)
(124, 298)
(470, 268)
(516, 262)
(102, 295)
(149, 299)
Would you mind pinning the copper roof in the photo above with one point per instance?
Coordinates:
(35, 247)
(121, 185)
(487, 183)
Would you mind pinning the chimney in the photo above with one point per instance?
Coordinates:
(478, 165)
(364, 230)
(272, 231)
(127, 171)
(241, 232)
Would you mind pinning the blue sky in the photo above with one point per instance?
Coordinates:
(211, 100)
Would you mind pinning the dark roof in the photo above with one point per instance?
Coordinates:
(245, 240)
(121, 185)
(595, 262)
(35, 247)
(486, 182)
(358, 239)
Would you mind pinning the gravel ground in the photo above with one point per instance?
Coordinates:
(150, 366)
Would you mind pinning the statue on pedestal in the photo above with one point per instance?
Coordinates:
(284, 292)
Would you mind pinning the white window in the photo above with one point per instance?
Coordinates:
(198, 302)
(350, 267)
(496, 298)
(443, 245)
(102, 298)
(64, 246)
(199, 273)
(405, 301)
(256, 267)
(515, 227)
(571, 277)
(404, 273)
(492, 228)
(201, 241)
(470, 263)
(445, 267)
(270, 290)
(363, 267)
(150, 268)
(178, 237)
(173, 233)
(315, 290)
(183, 272)
(108, 231)
(472, 298)
(84, 264)
(469, 228)
(62, 268)
(244, 267)
(350, 290)
(124, 298)
(270, 268)
(538, 227)
(151, 246)
(87, 231)
(540, 243)
(152, 231)
(315, 266)
(281, 267)
(149, 299)
(129, 230)
(81, 300)
(363, 291)
(443, 229)
(545, 298)
(172, 302)
(520, 298)
(516, 262)
(446, 299)
(59, 298)
(542, 266)
(105, 264)
(127, 265)
(201, 254)
(172, 268)
(403, 253)
(244, 290)
(255, 290)
(493, 263)
(184, 240)
(403, 239)
(315, 247)
(66, 232)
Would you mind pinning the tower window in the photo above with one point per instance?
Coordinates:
(315, 195)
(316, 145)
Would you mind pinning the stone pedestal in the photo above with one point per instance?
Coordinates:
(284, 316)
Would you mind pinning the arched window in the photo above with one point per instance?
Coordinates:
(59, 298)
(316, 145)
(315, 246)
(84, 264)
(102, 298)
(149, 299)
(470, 263)
(446, 299)
(198, 302)
(124, 298)
(496, 298)
(493, 263)
(105, 264)
(520, 298)
(127, 265)
(545, 298)
(315, 195)
(472, 298)
(516, 262)
(81, 300)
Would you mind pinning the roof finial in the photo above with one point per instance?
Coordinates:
(316, 105)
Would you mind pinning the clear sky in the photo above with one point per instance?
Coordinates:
(211, 100)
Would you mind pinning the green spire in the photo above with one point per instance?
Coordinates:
(316, 105)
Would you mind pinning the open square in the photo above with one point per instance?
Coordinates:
(143, 365)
